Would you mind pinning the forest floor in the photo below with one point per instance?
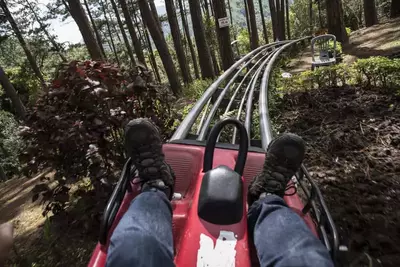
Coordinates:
(354, 154)
(38, 241)
(379, 40)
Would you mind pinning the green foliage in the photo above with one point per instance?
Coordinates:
(10, 143)
(194, 90)
(348, 31)
(24, 82)
(379, 72)
(243, 41)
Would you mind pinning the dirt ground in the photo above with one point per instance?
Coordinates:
(353, 138)
(379, 40)
(38, 241)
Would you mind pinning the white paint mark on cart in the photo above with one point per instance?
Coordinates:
(222, 255)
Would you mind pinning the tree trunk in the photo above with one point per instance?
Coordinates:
(147, 42)
(395, 9)
(56, 46)
(21, 40)
(189, 40)
(274, 19)
(288, 20)
(109, 32)
(207, 8)
(152, 57)
(334, 11)
(161, 45)
(223, 35)
(136, 44)
(96, 31)
(310, 14)
(282, 19)
(321, 23)
(202, 46)
(12, 94)
(231, 19)
(246, 11)
(121, 27)
(3, 176)
(253, 24)
(265, 32)
(153, 9)
(78, 14)
(176, 36)
(370, 15)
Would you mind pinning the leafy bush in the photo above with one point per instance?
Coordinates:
(339, 49)
(194, 90)
(243, 41)
(378, 72)
(10, 143)
(76, 128)
(348, 31)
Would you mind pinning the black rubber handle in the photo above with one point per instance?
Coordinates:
(212, 140)
(115, 201)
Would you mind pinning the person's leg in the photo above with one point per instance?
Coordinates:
(280, 236)
(143, 237)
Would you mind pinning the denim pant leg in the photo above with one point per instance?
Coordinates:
(282, 238)
(143, 237)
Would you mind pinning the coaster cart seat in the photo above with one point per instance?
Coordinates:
(209, 204)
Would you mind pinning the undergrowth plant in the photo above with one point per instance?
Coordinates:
(77, 129)
(377, 72)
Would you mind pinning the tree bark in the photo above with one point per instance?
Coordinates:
(121, 27)
(132, 32)
(282, 19)
(205, 60)
(78, 14)
(395, 9)
(265, 32)
(109, 32)
(153, 9)
(56, 46)
(253, 24)
(176, 36)
(336, 27)
(246, 11)
(321, 24)
(370, 15)
(223, 35)
(274, 19)
(21, 40)
(189, 40)
(288, 20)
(12, 94)
(96, 31)
(231, 19)
(161, 45)
(310, 14)
(147, 42)
(3, 176)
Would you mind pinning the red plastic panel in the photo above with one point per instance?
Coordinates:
(186, 162)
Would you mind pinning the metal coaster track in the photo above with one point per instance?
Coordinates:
(243, 87)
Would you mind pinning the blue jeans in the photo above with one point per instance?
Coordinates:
(144, 235)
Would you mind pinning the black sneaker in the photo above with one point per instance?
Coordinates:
(144, 146)
(283, 158)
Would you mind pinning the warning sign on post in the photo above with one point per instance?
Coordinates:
(223, 22)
